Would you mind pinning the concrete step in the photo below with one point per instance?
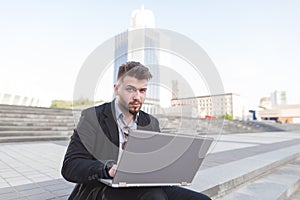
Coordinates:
(36, 120)
(278, 184)
(34, 133)
(37, 112)
(222, 179)
(35, 128)
(24, 124)
(285, 126)
(216, 125)
(14, 108)
(33, 139)
(34, 112)
(296, 195)
(28, 115)
(36, 123)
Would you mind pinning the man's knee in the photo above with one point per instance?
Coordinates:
(154, 194)
(200, 196)
(181, 193)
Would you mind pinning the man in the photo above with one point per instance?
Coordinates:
(101, 135)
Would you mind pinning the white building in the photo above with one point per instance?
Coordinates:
(19, 100)
(216, 105)
(278, 97)
(281, 113)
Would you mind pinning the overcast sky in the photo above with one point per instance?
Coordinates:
(255, 45)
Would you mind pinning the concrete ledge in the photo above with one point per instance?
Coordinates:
(32, 138)
(221, 179)
(278, 185)
(35, 133)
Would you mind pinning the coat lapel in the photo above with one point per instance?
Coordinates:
(109, 123)
(143, 121)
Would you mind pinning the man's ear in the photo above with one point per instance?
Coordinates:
(116, 88)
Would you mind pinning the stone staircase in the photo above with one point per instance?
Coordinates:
(279, 183)
(270, 175)
(240, 126)
(285, 126)
(23, 124)
(214, 126)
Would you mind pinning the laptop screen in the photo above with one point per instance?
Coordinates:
(160, 159)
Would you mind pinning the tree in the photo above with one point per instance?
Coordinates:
(227, 116)
(79, 103)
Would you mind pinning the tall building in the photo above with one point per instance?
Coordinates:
(278, 98)
(128, 47)
(142, 18)
(121, 52)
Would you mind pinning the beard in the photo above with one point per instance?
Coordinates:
(133, 107)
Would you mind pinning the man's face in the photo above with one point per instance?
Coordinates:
(131, 94)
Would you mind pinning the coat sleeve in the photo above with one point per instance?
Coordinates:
(79, 165)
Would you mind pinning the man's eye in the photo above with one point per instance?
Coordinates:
(130, 90)
(143, 90)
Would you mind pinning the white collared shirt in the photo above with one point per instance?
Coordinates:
(122, 125)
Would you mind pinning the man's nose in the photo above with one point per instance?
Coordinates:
(136, 94)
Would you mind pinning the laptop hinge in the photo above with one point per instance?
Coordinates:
(122, 184)
(184, 183)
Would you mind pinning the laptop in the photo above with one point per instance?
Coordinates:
(159, 159)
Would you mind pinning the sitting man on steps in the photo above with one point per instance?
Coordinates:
(98, 139)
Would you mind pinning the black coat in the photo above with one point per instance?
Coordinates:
(94, 142)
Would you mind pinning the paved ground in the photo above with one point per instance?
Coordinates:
(32, 170)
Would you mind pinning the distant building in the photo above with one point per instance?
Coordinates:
(278, 98)
(276, 108)
(215, 105)
(142, 18)
(121, 52)
(175, 89)
(265, 102)
(281, 113)
(125, 50)
(19, 100)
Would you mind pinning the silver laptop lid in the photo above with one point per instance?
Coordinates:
(153, 158)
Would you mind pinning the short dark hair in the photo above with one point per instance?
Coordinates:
(134, 69)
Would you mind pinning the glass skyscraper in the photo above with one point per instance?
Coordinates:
(139, 44)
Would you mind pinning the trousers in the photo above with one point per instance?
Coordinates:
(151, 193)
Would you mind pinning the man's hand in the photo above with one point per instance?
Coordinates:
(112, 170)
